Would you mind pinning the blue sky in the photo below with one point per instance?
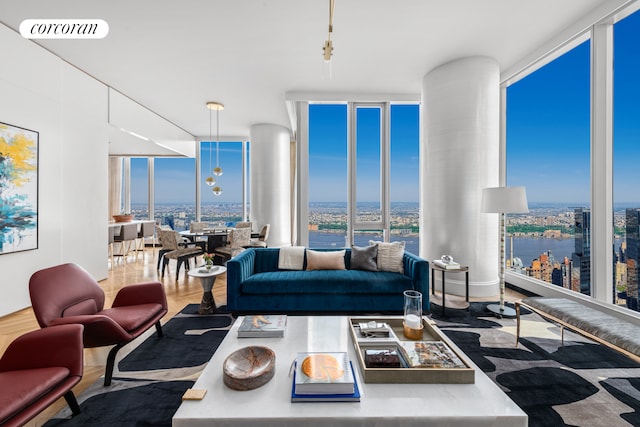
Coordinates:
(548, 139)
(548, 124)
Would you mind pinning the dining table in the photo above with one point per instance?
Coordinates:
(215, 237)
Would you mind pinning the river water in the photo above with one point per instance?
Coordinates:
(525, 248)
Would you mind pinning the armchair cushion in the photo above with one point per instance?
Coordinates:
(133, 316)
(22, 388)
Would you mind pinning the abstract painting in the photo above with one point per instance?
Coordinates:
(18, 189)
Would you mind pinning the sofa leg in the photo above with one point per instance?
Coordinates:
(111, 358)
(72, 402)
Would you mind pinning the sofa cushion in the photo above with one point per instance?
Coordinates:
(326, 282)
(330, 260)
(19, 389)
(364, 258)
(390, 255)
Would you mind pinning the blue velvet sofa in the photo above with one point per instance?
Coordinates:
(256, 285)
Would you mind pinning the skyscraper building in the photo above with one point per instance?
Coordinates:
(581, 257)
(633, 256)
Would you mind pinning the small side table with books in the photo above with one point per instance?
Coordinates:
(438, 265)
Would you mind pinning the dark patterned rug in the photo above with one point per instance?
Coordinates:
(579, 383)
(152, 375)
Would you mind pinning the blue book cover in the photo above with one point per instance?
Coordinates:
(352, 397)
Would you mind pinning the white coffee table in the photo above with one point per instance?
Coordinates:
(207, 279)
(481, 403)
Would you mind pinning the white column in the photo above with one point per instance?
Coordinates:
(271, 181)
(602, 163)
(459, 156)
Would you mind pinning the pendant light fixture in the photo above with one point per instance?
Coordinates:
(327, 49)
(217, 171)
(210, 181)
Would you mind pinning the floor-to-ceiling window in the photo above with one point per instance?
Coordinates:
(383, 142)
(327, 175)
(404, 183)
(174, 191)
(626, 156)
(221, 203)
(140, 187)
(548, 152)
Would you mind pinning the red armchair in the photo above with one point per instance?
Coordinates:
(68, 294)
(38, 368)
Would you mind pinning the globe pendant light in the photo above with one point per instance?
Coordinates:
(217, 171)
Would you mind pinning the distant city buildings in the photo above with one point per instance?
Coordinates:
(632, 257)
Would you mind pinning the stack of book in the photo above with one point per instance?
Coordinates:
(452, 265)
(263, 326)
(324, 377)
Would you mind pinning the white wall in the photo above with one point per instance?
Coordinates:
(40, 92)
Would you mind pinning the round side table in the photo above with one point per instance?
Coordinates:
(462, 269)
(207, 278)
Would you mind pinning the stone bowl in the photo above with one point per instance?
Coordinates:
(249, 368)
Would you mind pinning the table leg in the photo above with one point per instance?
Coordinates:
(444, 294)
(433, 282)
(207, 305)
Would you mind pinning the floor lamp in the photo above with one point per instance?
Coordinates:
(503, 200)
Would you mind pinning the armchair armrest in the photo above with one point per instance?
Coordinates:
(48, 347)
(99, 329)
(141, 293)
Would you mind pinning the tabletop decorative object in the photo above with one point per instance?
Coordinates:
(249, 368)
(123, 217)
(208, 260)
(413, 315)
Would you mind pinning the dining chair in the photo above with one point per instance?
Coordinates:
(261, 240)
(147, 229)
(127, 237)
(245, 224)
(173, 247)
(237, 241)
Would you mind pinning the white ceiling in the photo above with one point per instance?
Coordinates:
(174, 56)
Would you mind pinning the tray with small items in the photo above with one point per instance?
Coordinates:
(385, 355)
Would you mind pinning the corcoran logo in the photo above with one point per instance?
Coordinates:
(64, 28)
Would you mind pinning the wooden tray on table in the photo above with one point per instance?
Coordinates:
(433, 359)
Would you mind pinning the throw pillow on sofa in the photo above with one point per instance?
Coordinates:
(364, 258)
(331, 260)
(390, 255)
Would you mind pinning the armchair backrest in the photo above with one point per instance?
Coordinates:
(62, 291)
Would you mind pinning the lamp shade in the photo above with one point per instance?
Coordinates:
(504, 200)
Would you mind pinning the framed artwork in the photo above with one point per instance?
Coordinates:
(18, 189)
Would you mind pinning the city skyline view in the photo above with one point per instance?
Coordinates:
(548, 151)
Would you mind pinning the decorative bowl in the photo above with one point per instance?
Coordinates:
(123, 218)
(249, 367)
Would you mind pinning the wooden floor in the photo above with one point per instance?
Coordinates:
(186, 290)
